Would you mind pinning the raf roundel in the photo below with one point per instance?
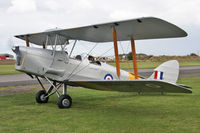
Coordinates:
(108, 77)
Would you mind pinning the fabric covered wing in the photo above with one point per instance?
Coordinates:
(141, 28)
(133, 86)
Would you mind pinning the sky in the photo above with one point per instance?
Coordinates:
(28, 16)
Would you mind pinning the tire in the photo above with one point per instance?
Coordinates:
(40, 97)
(64, 101)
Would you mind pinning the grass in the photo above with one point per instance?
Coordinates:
(104, 112)
(8, 69)
(3, 88)
(150, 64)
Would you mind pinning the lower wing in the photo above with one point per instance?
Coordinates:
(133, 86)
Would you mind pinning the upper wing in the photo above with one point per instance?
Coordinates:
(133, 86)
(141, 28)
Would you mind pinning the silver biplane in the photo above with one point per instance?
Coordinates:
(60, 69)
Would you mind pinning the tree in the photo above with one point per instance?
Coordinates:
(129, 56)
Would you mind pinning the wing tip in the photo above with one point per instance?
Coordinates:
(182, 33)
(185, 33)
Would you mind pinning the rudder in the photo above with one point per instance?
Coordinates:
(168, 71)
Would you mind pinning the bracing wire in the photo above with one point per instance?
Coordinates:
(71, 74)
(121, 47)
(124, 53)
(105, 52)
(89, 63)
(80, 70)
(128, 53)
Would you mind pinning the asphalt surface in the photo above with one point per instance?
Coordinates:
(23, 79)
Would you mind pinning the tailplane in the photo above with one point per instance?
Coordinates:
(168, 71)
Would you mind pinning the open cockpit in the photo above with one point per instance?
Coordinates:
(89, 58)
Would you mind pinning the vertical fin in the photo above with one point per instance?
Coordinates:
(168, 71)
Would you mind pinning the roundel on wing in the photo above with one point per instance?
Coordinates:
(108, 77)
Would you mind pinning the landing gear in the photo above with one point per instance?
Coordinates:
(40, 97)
(64, 100)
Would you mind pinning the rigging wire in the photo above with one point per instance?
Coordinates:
(80, 70)
(89, 63)
(127, 54)
(100, 57)
(121, 47)
(105, 52)
(70, 76)
(72, 48)
(80, 63)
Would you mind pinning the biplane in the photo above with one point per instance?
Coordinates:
(56, 65)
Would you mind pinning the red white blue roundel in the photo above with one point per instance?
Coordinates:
(108, 77)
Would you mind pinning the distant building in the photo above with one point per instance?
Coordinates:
(6, 56)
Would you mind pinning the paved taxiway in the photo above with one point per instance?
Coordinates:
(23, 79)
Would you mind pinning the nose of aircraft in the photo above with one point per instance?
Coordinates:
(18, 55)
(15, 49)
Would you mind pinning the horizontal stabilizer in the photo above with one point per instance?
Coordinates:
(132, 86)
(185, 86)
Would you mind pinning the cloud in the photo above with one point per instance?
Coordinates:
(85, 4)
(22, 6)
(125, 14)
(51, 4)
(27, 16)
(177, 11)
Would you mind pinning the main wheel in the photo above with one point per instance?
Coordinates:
(40, 97)
(64, 101)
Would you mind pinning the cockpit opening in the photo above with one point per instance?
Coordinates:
(90, 58)
(78, 57)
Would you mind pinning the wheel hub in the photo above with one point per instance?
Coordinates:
(42, 97)
(65, 102)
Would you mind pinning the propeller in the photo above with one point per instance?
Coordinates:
(10, 43)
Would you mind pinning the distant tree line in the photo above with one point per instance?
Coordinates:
(140, 56)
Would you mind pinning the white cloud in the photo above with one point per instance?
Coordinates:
(22, 6)
(52, 4)
(1, 24)
(185, 12)
(84, 4)
(26, 16)
(125, 14)
(177, 11)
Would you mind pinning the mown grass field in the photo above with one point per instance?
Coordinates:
(7, 69)
(104, 112)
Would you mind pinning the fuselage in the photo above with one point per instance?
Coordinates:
(57, 66)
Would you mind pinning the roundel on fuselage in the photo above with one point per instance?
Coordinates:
(108, 77)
